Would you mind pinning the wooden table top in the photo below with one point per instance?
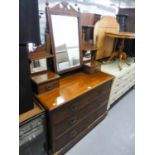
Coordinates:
(45, 77)
(125, 35)
(72, 87)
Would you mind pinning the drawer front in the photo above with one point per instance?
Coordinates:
(64, 126)
(73, 133)
(74, 106)
(92, 69)
(48, 86)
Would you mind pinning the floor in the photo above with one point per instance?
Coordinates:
(115, 134)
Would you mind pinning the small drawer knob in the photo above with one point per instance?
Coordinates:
(73, 107)
(73, 120)
(73, 133)
(48, 87)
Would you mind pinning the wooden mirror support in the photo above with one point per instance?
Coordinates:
(65, 10)
(40, 57)
(42, 51)
(92, 66)
(45, 80)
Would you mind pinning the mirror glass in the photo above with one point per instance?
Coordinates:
(66, 41)
(38, 66)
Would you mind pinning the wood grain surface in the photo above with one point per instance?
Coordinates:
(71, 87)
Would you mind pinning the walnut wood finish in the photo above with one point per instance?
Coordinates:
(57, 10)
(75, 107)
(82, 101)
(43, 78)
(74, 119)
(120, 54)
(42, 51)
(87, 47)
(74, 132)
(92, 68)
(39, 55)
(78, 117)
(72, 87)
(80, 135)
(45, 82)
(88, 20)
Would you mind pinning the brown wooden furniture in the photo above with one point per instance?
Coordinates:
(88, 20)
(42, 51)
(120, 53)
(45, 82)
(92, 66)
(75, 108)
(66, 12)
(103, 44)
(41, 55)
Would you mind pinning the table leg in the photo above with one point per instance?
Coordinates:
(121, 47)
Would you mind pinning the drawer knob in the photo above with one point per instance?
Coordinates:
(73, 107)
(73, 120)
(48, 87)
(73, 133)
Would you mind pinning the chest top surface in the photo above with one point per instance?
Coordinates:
(72, 87)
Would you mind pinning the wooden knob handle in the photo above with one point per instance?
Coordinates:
(73, 120)
(48, 87)
(73, 133)
(73, 107)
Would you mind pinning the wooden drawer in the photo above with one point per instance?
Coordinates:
(67, 124)
(47, 86)
(44, 82)
(74, 106)
(91, 69)
(73, 133)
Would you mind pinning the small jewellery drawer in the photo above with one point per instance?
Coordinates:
(91, 69)
(77, 104)
(48, 86)
(72, 133)
(44, 82)
(61, 128)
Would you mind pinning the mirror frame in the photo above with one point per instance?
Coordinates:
(64, 11)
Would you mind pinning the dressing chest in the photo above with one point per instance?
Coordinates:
(75, 107)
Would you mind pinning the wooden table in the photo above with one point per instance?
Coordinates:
(122, 36)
